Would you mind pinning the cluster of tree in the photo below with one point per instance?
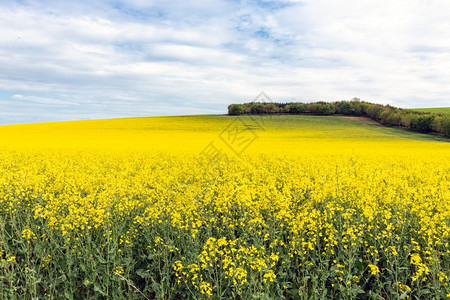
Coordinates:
(385, 114)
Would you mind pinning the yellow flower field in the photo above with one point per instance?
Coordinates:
(279, 207)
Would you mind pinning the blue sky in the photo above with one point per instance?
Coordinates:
(70, 60)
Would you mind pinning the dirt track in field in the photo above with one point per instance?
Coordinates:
(365, 121)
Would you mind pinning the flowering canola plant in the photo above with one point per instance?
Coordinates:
(340, 218)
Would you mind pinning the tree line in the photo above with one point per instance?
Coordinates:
(384, 114)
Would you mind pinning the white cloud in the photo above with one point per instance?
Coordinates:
(105, 59)
(17, 96)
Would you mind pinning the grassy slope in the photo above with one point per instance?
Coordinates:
(287, 134)
(441, 110)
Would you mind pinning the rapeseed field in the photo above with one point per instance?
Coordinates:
(218, 207)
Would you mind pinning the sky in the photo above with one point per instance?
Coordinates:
(74, 60)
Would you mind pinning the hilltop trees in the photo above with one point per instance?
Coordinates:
(235, 109)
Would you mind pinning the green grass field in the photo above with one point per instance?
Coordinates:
(437, 110)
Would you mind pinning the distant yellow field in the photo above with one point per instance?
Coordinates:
(223, 207)
(190, 134)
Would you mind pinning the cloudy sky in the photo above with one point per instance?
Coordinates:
(68, 60)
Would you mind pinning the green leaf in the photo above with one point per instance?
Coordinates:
(67, 294)
(142, 273)
(98, 289)
(293, 292)
(404, 295)
(424, 292)
(101, 259)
